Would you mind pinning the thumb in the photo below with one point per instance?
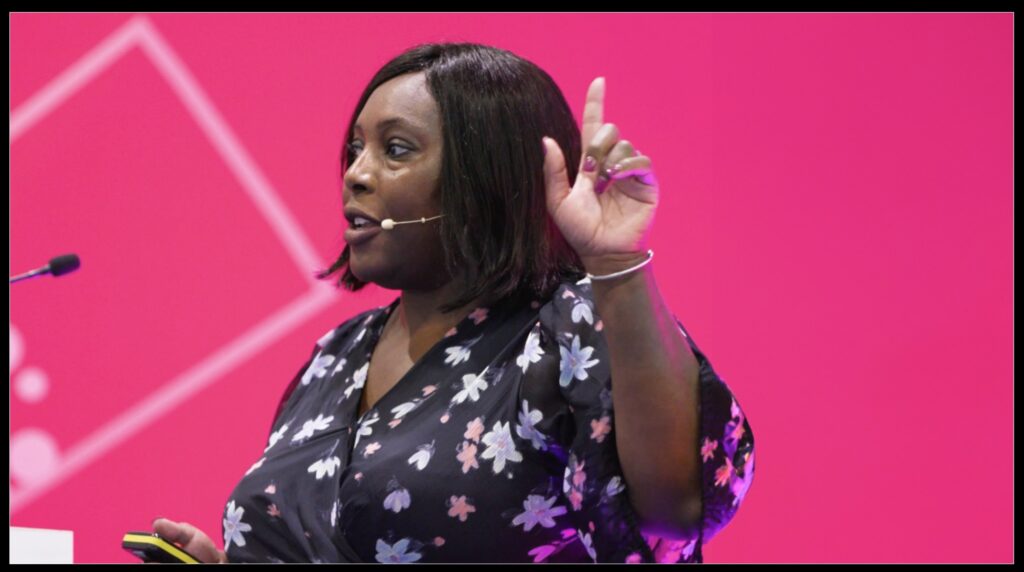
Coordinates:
(556, 177)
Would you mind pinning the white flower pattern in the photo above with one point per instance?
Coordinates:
(526, 428)
(456, 355)
(422, 456)
(501, 447)
(234, 527)
(358, 380)
(339, 366)
(588, 543)
(255, 466)
(473, 385)
(397, 553)
(365, 429)
(614, 486)
(404, 409)
(318, 368)
(398, 500)
(575, 362)
(324, 467)
(538, 511)
(545, 461)
(276, 436)
(532, 351)
(321, 423)
(581, 311)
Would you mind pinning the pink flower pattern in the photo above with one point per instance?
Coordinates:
(460, 508)
(578, 469)
(601, 427)
(467, 454)
(474, 430)
(708, 450)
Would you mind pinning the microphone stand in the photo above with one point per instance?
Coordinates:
(28, 275)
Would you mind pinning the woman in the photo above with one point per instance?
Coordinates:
(473, 419)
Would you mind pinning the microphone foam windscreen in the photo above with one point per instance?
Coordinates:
(64, 264)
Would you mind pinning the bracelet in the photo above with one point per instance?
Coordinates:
(650, 256)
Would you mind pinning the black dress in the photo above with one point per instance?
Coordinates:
(497, 446)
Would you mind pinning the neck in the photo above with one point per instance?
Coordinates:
(417, 314)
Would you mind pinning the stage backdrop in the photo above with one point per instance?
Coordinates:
(835, 230)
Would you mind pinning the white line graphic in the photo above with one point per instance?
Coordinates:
(140, 32)
(66, 84)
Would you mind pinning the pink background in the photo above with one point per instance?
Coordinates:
(835, 231)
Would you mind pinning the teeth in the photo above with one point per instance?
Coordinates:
(360, 221)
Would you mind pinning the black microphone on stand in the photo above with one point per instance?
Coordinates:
(58, 266)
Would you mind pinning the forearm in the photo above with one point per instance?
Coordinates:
(655, 393)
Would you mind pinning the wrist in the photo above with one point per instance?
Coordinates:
(604, 264)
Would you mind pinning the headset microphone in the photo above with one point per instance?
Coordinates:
(388, 224)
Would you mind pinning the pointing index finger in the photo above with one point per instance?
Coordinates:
(593, 111)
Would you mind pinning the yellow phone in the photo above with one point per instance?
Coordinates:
(151, 547)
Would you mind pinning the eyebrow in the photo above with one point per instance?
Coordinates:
(401, 122)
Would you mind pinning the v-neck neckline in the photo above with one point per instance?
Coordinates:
(376, 331)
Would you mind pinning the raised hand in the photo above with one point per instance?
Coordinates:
(608, 212)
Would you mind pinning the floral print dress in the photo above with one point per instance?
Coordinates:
(498, 445)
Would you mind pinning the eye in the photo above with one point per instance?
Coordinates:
(390, 145)
(354, 148)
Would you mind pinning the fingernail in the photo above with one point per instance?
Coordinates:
(589, 164)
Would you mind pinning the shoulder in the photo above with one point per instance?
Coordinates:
(568, 295)
(333, 344)
(335, 339)
(570, 307)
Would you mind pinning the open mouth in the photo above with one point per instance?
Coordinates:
(361, 222)
(360, 230)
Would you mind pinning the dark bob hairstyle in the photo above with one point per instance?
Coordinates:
(495, 107)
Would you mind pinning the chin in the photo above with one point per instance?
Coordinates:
(373, 273)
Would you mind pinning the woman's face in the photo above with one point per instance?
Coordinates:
(394, 172)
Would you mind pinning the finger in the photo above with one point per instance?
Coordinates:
(599, 146)
(178, 533)
(197, 543)
(593, 111)
(596, 151)
(637, 177)
(620, 152)
(623, 150)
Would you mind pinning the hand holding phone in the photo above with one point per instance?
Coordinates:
(176, 539)
(151, 547)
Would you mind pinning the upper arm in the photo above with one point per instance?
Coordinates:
(726, 451)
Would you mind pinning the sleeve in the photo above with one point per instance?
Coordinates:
(727, 448)
(593, 484)
(593, 487)
(727, 463)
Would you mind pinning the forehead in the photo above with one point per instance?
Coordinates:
(404, 98)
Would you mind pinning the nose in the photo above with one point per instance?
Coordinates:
(358, 177)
